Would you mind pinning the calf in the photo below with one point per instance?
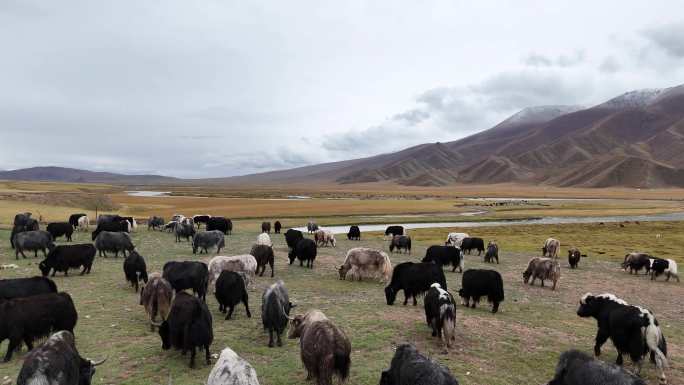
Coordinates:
(266, 227)
(135, 269)
(60, 229)
(33, 241)
(63, 258)
(232, 369)
(544, 269)
(637, 261)
(633, 330)
(400, 242)
(293, 236)
(551, 248)
(264, 256)
(184, 230)
(29, 318)
(113, 241)
(155, 223)
(277, 226)
(324, 237)
(187, 275)
(492, 253)
(324, 348)
(440, 314)
(83, 223)
(156, 297)
(455, 239)
(275, 311)
(205, 240)
(472, 243)
(362, 262)
(304, 251)
(577, 368)
(311, 227)
(574, 256)
(409, 367)
(664, 266)
(445, 256)
(414, 279)
(171, 226)
(231, 290)
(354, 233)
(477, 283)
(220, 223)
(188, 327)
(25, 287)
(394, 231)
(245, 263)
(121, 226)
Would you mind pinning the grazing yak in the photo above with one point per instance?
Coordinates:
(60, 229)
(362, 262)
(275, 311)
(156, 297)
(33, 241)
(445, 256)
(455, 239)
(135, 269)
(324, 237)
(477, 283)
(204, 240)
(245, 263)
(469, 244)
(400, 242)
(63, 258)
(187, 275)
(293, 236)
(74, 219)
(184, 230)
(574, 256)
(277, 226)
(264, 239)
(264, 256)
(83, 223)
(394, 231)
(324, 348)
(201, 219)
(632, 329)
(105, 218)
(551, 248)
(636, 261)
(155, 223)
(664, 266)
(354, 233)
(577, 368)
(266, 227)
(414, 279)
(305, 250)
(230, 291)
(188, 327)
(492, 253)
(220, 223)
(29, 318)
(23, 222)
(440, 314)
(544, 269)
(121, 226)
(171, 226)
(113, 241)
(410, 367)
(232, 369)
(25, 287)
(311, 227)
(132, 224)
(57, 362)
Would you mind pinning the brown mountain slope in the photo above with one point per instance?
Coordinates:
(61, 174)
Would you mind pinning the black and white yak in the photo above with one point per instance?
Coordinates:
(410, 367)
(414, 279)
(440, 314)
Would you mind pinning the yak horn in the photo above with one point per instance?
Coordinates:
(157, 324)
(97, 363)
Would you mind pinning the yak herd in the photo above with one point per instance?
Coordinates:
(34, 308)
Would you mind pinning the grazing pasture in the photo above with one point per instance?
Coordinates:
(518, 345)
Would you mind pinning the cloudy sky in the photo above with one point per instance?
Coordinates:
(218, 88)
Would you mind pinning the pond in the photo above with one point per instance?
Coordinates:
(144, 193)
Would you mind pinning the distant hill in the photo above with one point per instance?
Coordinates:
(61, 174)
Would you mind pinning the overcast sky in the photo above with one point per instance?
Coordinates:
(218, 88)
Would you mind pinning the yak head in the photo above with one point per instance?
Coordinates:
(390, 295)
(44, 268)
(589, 306)
(296, 326)
(342, 270)
(526, 275)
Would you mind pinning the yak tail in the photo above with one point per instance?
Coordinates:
(386, 268)
(342, 363)
(655, 340)
(497, 293)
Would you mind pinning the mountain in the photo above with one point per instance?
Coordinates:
(633, 140)
(61, 174)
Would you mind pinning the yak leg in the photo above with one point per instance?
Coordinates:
(207, 356)
(14, 343)
(415, 303)
(406, 297)
(193, 353)
(270, 338)
(245, 300)
(280, 343)
(601, 338)
(230, 312)
(270, 263)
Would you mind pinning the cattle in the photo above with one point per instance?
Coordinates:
(230, 291)
(445, 256)
(362, 262)
(277, 226)
(266, 227)
(477, 283)
(131, 222)
(135, 269)
(29, 224)
(305, 250)
(264, 256)
(205, 240)
(184, 230)
(293, 236)
(543, 269)
(188, 327)
(33, 241)
(472, 243)
(220, 223)
(324, 348)
(187, 275)
(636, 261)
(104, 218)
(232, 369)
(245, 263)
(73, 219)
(577, 368)
(155, 223)
(113, 241)
(171, 226)
(121, 226)
(83, 223)
(410, 367)
(275, 311)
(492, 253)
(25, 287)
(201, 220)
(59, 229)
(29, 318)
(264, 239)
(664, 266)
(574, 256)
(65, 257)
(632, 329)
(440, 314)
(455, 239)
(177, 218)
(551, 248)
(414, 279)
(400, 242)
(354, 233)
(57, 362)
(394, 231)
(311, 227)
(324, 238)
(156, 297)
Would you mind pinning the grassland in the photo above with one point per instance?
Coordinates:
(519, 345)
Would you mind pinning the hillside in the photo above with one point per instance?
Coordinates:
(61, 174)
